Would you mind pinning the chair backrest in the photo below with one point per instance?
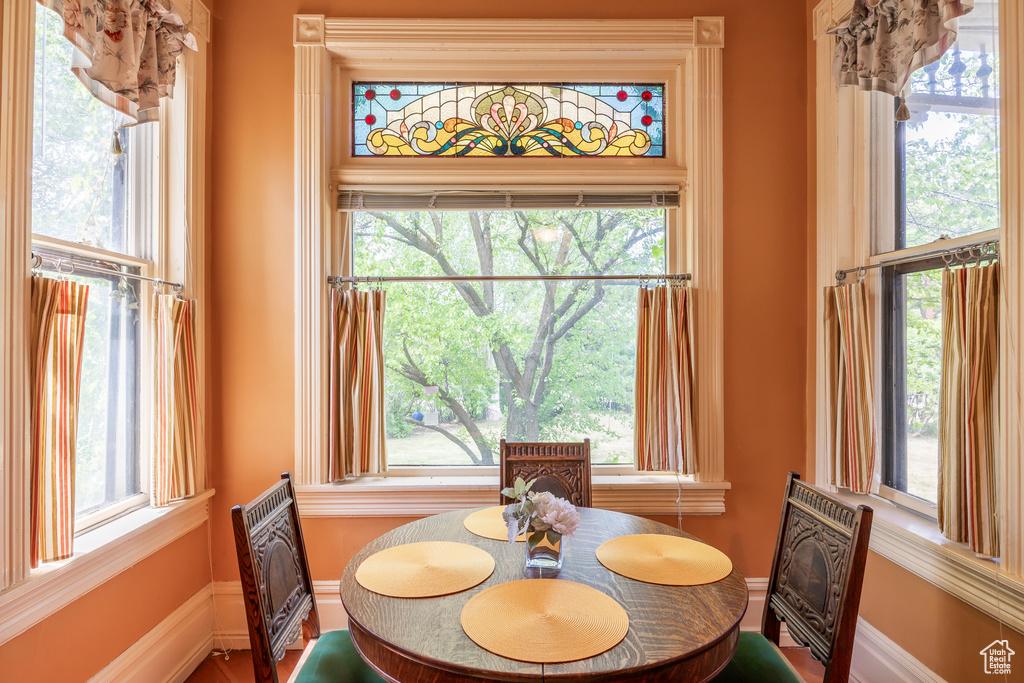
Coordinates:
(560, 468)
(817, 574)
(276, 585)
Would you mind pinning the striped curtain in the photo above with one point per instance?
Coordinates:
(967, 408)
(356, 431)
(664, 433)
(176, 402)
(851, 426)
(58, 333)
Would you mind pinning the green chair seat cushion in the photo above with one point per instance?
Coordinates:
(757, 660)
(334, 659)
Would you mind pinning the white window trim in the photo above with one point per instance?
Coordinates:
(329, 52)
(844, 205)
(100, 555)
(183, 206)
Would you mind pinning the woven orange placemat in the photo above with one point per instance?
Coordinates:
(489, 524)
(667, 560)
(544, 621)
(423, 570)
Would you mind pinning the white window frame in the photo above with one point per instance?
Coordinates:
(847, 206)
(27, 596)
(332, 52)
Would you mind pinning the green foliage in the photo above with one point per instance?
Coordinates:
(924, 351)
(546, 359)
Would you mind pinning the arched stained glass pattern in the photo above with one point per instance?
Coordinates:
(508, 120)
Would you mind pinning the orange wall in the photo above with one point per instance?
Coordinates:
(943, 632)
(78, 641)
(765, 241)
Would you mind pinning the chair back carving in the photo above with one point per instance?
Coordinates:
(563, 469)
(276, 585)
(817, 573)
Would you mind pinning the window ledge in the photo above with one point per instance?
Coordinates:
(420, 496)
(917, 545)
(100, 554)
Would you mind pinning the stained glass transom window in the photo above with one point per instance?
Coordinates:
(499, 119)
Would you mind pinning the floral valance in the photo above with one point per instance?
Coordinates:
(886, 40)
(126, 51)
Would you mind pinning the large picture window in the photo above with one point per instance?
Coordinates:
(471, 362)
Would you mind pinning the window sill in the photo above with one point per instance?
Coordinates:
(100, 554)
(418, 496)
(917, 545)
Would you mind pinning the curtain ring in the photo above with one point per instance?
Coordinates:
(70, 267)
(862, 272)
(948, 257)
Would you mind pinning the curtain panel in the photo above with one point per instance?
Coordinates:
(356, 440)
(967, 408)
(58, 332)
(664, 432)
(176, 402)
(126, 51)
(886, 40)
(851, 426)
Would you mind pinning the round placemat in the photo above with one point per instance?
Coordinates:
(489, 524)
(423, 570)
(544, 621)
(667, 560)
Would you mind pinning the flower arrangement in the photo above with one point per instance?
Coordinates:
(545, 515)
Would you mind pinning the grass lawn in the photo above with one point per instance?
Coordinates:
(426, 447)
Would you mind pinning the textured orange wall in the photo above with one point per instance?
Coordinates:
(765, 242)
(78, 641)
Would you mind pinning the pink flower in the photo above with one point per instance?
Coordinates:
(554, 513)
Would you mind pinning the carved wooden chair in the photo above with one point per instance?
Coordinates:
(278, 593)
(814, 587)
(560, 468)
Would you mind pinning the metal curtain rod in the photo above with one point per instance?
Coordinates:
(342, 279)
(72, 266)
(951, 257)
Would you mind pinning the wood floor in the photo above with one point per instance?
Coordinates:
(237, 667)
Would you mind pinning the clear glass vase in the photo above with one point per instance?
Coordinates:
(545, 550)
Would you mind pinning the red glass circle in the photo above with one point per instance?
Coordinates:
(370, 119)
(646, 95)
(395, 94)
(369, 94)
(647, 120)
(622, 96)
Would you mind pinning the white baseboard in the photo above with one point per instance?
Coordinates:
(877, 659)
(172, 650)
(231, 632)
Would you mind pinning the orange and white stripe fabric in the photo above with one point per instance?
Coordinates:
(356, 442)
(176, 403)
(664, 433)
(967, 408)
(58, 332)
(851, 421)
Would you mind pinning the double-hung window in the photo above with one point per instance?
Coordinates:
(946, 160)
(93, 209)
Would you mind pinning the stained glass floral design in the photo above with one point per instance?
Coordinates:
(497, 119)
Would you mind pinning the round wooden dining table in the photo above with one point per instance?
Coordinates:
(676, 633)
